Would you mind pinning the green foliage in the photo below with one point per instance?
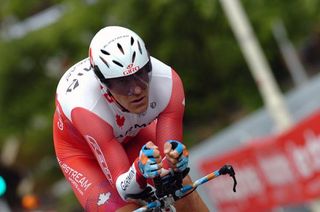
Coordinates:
(19, 9)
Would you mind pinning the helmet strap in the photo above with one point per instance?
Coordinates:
(117, 103)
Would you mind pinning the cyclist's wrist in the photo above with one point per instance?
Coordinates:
(130, 182)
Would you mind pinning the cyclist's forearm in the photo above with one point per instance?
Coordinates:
(131, 182)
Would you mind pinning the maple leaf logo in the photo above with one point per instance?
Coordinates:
(103, 198)
(120, 120)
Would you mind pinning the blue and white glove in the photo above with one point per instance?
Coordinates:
(177, 155)
(150, 161)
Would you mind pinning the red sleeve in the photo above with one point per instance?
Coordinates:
(170, 121)
(109, 152)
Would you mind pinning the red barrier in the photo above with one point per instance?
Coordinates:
(271, 171)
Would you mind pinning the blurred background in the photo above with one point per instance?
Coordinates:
(41, 39)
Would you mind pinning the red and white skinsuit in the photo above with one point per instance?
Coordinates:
(96, 141)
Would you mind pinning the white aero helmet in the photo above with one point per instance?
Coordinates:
(117, 52)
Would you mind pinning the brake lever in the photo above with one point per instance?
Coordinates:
(228, 169)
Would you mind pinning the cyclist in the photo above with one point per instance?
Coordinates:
(118, 123)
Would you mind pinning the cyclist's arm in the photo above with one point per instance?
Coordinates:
(109, 153)
(170, 125)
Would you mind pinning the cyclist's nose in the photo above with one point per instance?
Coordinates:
(137, 87)
(137, 90)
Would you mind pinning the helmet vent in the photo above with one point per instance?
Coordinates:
(120, 48)
(104, 61)
(104, 52)
(140, 50)
(132, 41)
(133, 56)
(117, 63)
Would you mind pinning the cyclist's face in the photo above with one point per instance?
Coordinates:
(132, 91)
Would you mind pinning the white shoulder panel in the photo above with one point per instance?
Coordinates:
(79, 87)
(161, 84)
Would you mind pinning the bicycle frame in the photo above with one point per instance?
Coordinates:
(168, 199)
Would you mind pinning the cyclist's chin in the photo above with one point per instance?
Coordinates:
(138, 110)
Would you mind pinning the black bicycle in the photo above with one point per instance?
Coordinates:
(168, 189)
